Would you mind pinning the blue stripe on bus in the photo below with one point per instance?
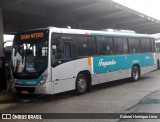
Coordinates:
(102, 64)
(29, 82)
(119, 35)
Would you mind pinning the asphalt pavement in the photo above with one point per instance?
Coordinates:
(122, 96)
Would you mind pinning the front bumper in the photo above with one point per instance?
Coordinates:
(39, 89)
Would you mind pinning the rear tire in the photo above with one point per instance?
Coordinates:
(81, 84)
(135, 73)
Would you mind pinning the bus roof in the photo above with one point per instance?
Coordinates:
(94, 32)
(101, 33)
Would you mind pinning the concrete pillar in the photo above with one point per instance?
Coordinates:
(1, 33)
(2, 59)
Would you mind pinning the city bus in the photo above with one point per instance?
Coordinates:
(54, 60)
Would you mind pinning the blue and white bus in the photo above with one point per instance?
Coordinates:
(54, 60)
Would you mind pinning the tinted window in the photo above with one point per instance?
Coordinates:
(66, 51)
(153, 45)
(146, 45)
(109, 46)
(100, 45)
(158, 47)
(74, 46)
(91, 45)
(86, 46)
(121, 45)
(134, 45)
(61, 47)
(104, 45)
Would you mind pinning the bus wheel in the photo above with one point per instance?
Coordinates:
(81, 84)
(135, 73)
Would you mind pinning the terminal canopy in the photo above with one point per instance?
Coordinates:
(21, 15)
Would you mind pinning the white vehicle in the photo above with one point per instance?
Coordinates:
(71, 59)
(157, 41)
(158, 53)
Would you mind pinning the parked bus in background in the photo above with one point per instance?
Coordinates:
(156, 36)
(158, 52)
(54, 60)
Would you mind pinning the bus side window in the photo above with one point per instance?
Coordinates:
(91, 42)
(86, 46)
(153, 45)
(120, 45)
(134, 45)
(109, 46)
(157, 47)
(105, 46)
(100, 45)
(66, 51)
(74, 52)
(145, 45)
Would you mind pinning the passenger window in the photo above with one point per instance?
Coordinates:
(100, 45)
(145, 45)
(61, 47)
(91, 43)
(134, 45)
(86, 46)
(109, 46)
(66, 51)
(74, 46)
(153, 45)
(158, 47)
(105, 46)
(121, 45)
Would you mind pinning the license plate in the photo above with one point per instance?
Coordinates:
(24, 92)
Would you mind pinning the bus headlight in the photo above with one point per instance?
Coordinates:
(44, 79)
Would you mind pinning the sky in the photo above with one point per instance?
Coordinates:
(148, 7)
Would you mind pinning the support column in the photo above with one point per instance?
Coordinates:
(1, 33)
(2, 58)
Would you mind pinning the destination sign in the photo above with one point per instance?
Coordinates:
(32, 36)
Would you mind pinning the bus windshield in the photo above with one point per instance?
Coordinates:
(29, 54)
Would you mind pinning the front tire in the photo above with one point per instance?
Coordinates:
(135, 73)
(81, 84)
